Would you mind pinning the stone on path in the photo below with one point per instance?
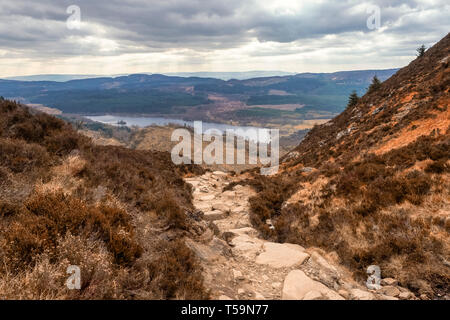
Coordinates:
(237, 275)
(222, 206)
(220, 173)
(245, 231)
(207, 198)
(390, 291)
(214, 215)
(297, 285)
(405, 295)
(278, 255)
(247, 247)
(259, 296)
(203, 206)
(203, 252)
(327, 273)
(313, 295)
(358, 294)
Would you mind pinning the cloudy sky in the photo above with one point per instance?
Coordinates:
(131, 36)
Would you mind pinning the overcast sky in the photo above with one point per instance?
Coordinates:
(131, 36)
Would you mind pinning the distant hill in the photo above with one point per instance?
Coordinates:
(53, 77)
(191, 96)
(218, 75)
(231, 75)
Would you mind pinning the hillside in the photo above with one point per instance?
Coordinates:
(121, 215)
(372, 185)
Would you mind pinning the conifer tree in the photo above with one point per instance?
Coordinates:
(353, 99)
(421, 51)
(375, 85)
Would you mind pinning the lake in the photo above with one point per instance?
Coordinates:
(248, 132)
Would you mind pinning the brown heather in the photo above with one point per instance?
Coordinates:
(65, 201)
(384, 164)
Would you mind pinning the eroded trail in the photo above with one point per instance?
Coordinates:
(240, 265)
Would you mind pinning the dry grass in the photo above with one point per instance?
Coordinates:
(361, 213)
(65, 201)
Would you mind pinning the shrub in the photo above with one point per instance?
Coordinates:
(36, 228)
(49, 231)
(181, 277)
(439, 167)
(8, 208)
(20, 157)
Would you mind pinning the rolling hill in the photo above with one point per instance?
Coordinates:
(184, 97)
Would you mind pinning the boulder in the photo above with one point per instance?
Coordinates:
(259, 296)
(405, 295)
(390, 291)
(344, 293)
(385, 297)
(225, 207)
(326, 272)
(209, 197)
(423, 296)
(194, 183)
(278, 255)
(358, 294)
(229, 194)
(237, 275)
(238, 187)
(238, 209)
(245, 231)
(220, 246)
(203, 206)
(297, 285)
(389, 282)
(314, 295)
(214, 215)
(247, 247)
(220, 173)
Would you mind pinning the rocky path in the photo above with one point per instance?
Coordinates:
(239, 265)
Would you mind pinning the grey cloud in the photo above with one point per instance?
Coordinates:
(37, 28)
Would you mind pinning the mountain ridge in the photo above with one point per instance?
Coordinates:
(228, 100)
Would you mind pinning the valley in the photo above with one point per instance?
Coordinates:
(291, 102)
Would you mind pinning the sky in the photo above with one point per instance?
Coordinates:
(161, 36)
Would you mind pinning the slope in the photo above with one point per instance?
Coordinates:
(120, 215)
(372, 185)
